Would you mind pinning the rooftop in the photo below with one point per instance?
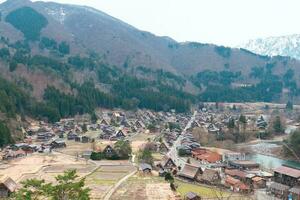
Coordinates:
(288, 171)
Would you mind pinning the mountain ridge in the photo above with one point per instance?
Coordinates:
(90, 44)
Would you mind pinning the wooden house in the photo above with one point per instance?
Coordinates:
(167, 163)
(258, 182)
(236, 185)
(108, 151)
(163, 148)
(44, 136)
(139, 124)
(191, 172)
(118, 135)
(236, 173)
(7, 187)
(210, 177)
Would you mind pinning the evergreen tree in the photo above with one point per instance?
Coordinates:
(5, 136)
(277, 125)
(94, 118)
(289, 105)
(231, 124)
(169, 177)
(243, 119)
(293, 143)
(13, 66)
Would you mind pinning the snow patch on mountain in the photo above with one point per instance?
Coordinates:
(274, 46)
(58, 14)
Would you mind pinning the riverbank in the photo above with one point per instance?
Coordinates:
(268, 153)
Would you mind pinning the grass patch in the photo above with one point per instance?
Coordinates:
(202, 191)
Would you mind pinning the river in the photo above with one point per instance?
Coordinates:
(270, 162)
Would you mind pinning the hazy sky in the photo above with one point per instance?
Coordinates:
(227, 22)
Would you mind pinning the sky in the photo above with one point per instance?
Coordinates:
(223, 22)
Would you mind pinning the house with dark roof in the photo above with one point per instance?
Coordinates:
(104, 122)
(163, 148)
(139, 124)
(167, 163)
(108, 151)
(71, 136)
(44, 136)
(120, 134)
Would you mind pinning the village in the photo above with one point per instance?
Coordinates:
(182, 165)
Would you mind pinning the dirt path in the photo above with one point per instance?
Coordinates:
(113, 189)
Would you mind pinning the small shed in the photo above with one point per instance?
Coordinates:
(145, 168)
(192, 196)
(58, 144)
(7, 186)
(85, 139)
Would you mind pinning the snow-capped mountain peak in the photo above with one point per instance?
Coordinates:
(273, 46)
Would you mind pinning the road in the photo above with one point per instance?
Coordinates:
(173, 150)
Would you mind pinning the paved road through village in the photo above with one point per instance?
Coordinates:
(173, 150)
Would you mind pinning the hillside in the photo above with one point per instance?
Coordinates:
(272, 46)
(71, 59)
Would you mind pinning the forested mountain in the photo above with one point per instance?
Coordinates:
(59, 60)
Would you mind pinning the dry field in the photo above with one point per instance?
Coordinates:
(75, 148)
(104, 178)
(44, 166)
(144, 187)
